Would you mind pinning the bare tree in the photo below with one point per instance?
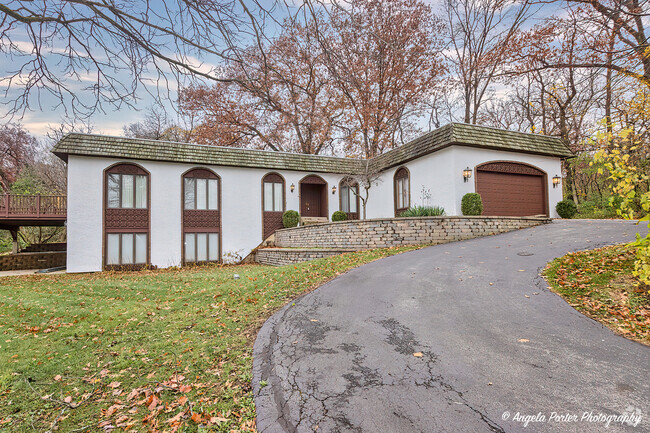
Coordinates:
(480, 32)
(157, 125)
(365, 180)
(385, 58)
(58, 46)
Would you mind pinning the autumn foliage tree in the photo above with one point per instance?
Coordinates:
(356, 76)
(279, 98)
(16, 152)
(385, 59)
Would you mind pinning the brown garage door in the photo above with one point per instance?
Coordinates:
(510, 189)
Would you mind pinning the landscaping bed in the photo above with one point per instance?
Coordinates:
(165, 350)
(599, 283)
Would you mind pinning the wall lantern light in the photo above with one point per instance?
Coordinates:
(467, 173)
(556, 180)
(334, 189)
(292, 187)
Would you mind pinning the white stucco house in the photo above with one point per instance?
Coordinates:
(133, 202)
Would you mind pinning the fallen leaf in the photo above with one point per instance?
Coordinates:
(176, 418)
(57, 377)
(154, 403)
(132, 394)
(111, 410)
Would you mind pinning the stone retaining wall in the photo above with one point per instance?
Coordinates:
(288, 256)
(392, 232)
(15, 262)
(40, 248)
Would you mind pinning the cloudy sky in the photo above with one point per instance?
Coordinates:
(45, 111)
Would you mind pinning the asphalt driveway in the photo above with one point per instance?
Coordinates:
(497, 346)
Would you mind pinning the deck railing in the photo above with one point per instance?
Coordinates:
(33, 206)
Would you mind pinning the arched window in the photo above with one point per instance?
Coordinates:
(273, 193)
(201, 190)
(201, 216)
(273, 203)
(402, 190)
(126, 187)
(126, 216)
(349, 198)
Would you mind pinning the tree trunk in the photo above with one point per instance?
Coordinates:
(14, 238)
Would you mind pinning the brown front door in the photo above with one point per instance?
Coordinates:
(310, 200)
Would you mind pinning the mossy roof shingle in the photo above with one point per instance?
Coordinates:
(475, 136)
(452, 134)
(130, 148)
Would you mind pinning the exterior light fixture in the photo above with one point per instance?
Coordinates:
(292, 187)
(556, 181)
(334, 189)
(467, 173)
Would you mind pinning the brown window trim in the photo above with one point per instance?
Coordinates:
(127, 265)
(199, 217)
(120, 192)
(196, 248)
(349, 183)
(201, 174)
(274, 178)
(123, 215)
(269, 216)
(401, 173)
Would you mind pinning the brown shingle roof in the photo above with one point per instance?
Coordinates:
(452, 134)
(130, 148)
(475, 136)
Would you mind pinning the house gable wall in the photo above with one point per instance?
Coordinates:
(241, 209)
(241, 189)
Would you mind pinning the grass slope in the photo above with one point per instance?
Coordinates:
(145, 351)
(599, 284)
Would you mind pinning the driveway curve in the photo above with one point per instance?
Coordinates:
(496, 345)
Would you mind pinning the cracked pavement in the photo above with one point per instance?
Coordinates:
(341, 359)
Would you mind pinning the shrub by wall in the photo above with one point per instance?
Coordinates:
(290, 218)
(566, 208)
(421, 211)
(471, 204)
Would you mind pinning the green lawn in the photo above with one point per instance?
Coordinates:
(162, 350)
(599, 283)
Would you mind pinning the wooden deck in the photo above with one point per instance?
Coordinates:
(32, 210)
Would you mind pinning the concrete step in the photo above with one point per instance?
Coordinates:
(305, 221)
